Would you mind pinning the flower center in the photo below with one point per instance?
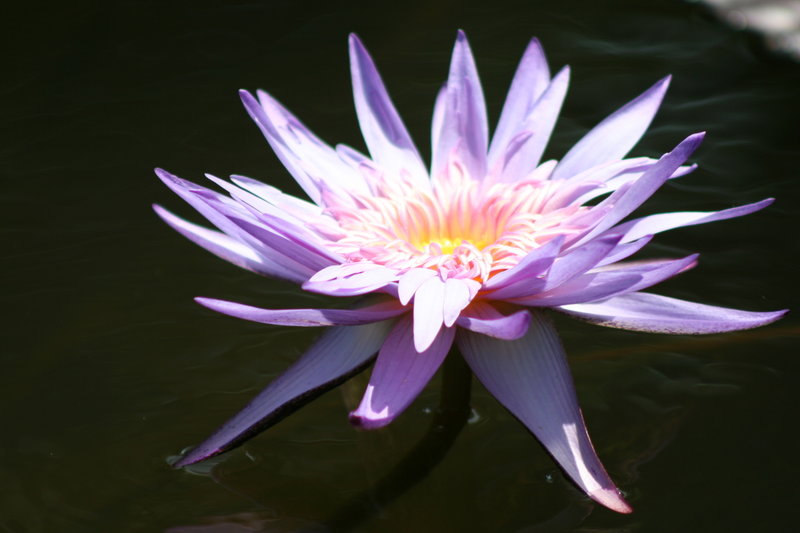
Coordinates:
(457, 226)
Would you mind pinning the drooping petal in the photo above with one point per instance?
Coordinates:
(337, 355)
(464, 132)
(615, 135)
(386, 136)
(641, 311)
(530, 377)
(400, 373)
(530, 80)
(652, 224)
(306, 317)
(227, 248)
(482, 318)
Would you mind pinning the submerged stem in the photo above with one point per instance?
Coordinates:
(447, 423)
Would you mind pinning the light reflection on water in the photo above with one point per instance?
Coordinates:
(111, 369)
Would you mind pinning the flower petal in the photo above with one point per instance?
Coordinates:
(615, 135)
(457, 296)
(350, 279)
(482, 318)
(530, 80)
(411, 281)
(463, 134)
(400, 373)
(627, 198)
(306, 317)
(228, 248)
(649, 225)
(338, 354)
(530, 377)
(428, 312)
(641, 311)
(536, 262)
(520, 155)
(386, 136)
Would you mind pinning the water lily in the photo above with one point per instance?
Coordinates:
(468, 253)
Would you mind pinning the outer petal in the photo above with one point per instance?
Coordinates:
(463, 133)
(530, 80)
(520, 155)
(389, 143)
(530, 377)
(399, 375)
(627, 198)
(339, 353)
(615, 135)
(306, 317)
(228, 248)
(652, 224)
(640, 311)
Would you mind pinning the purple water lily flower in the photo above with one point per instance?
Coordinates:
(469, 252)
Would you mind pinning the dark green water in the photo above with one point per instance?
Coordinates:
(109, 368)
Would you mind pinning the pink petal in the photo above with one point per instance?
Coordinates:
(457, 296)
(530, 377)
(641, 311)
(400, 373)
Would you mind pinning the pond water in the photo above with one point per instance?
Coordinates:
(110, 369)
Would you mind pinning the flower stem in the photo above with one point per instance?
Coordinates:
(448, 421)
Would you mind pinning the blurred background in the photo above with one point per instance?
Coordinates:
(109, 369)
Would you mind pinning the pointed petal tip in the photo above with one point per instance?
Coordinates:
(612, 499)
(461, 35)
(359, 421)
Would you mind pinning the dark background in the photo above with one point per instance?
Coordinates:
(109, 368)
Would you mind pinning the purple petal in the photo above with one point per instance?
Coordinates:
(649, 225)
(530, 377)
(386, 136)
(625, 250)
(521, 154)
(350, 279)
(630, 196)
(586, 288)
(339, 353)
(311, 161)
(306, 317)
(579, 260)
(615, 135)
(640, 311)
(536, 262)
(400, 373)
(530, 80)
(484, 319)
(228, 248)
(428, 312)
(464, 130)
